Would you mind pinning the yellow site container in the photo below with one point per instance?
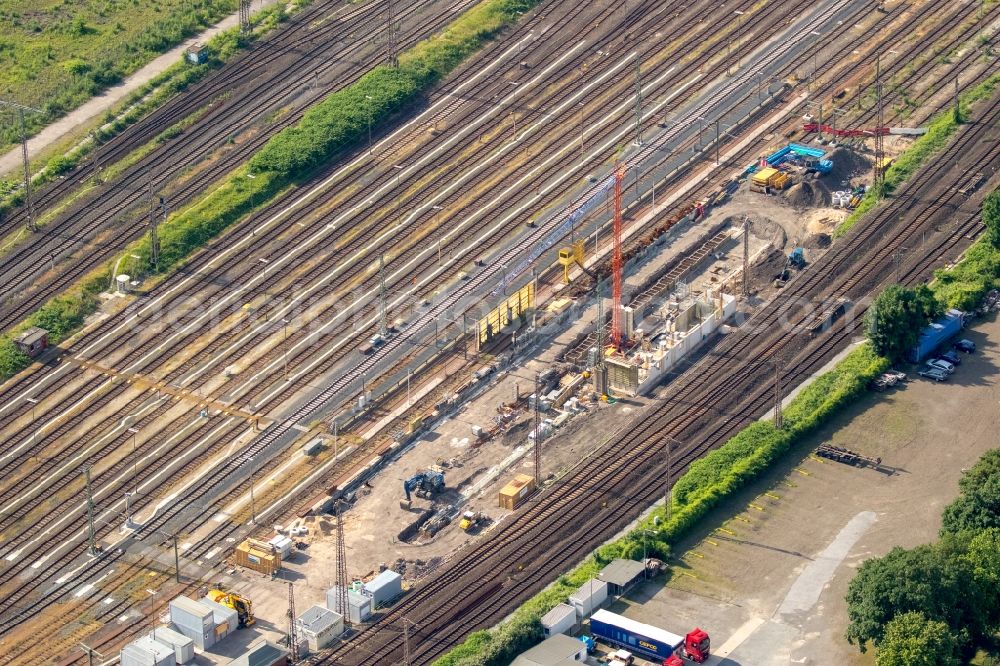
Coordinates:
(764, 177)
(516, 491)
(257, 559)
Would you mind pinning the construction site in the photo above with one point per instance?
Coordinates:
(382, 410)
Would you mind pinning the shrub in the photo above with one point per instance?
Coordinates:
(977, 506)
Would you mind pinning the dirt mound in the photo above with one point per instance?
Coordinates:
(808, 193)
(816, 241)
(847, 164)
(760, 226)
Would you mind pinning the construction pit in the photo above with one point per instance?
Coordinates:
(380, 533)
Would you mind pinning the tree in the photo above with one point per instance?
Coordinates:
(896, 318)
(991, 218)
(983, 555)
(978, 505)
(930, 579)
(911, 639)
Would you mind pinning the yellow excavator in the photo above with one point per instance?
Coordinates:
(240, 604)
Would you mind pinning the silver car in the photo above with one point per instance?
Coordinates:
(942, 365)
(935, 374)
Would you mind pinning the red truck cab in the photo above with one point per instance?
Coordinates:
(696, 647)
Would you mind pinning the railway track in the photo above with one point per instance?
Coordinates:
(131, 356)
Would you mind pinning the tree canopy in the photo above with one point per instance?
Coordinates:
(930, 579)
(897, 316)
(911, 639)
(977, 506)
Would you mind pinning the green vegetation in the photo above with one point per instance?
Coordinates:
(977, 506)
(991, 218)
(707, 483)
(913, 640)
(964, 285)
(940, 596)
(54, 54)
(335, 124)
(340, 121)
(175, 79)
(939, 132)
(896, 318)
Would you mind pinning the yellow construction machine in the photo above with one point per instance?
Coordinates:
(572, 255)
(240, 604)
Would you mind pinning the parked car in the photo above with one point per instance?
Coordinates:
(951, 357)
(935, 374)
(942, 365)
(963, 345)
(898, 375)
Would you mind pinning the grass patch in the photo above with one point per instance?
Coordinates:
(325, 131)
(173, 80)
(708, 482)
(55, 55)
(963, 285)
(939, 132)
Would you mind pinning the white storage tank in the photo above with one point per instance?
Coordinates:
(559, 620)
(194, 620)
(384, 587)
(182, 645)
(145, 651)
(589, 597)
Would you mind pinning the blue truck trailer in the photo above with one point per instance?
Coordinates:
(934, 335)
(648, 641)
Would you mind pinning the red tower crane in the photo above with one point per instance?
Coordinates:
(616, 262)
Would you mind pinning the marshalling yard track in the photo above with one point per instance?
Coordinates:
(109, 376)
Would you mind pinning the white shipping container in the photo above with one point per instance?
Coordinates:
(559, 620)
(224, 617)
(182, 645)
(145, 651)
(359, 606)
(384, 587)
(589, 597)
(186, 612)
(283, 545)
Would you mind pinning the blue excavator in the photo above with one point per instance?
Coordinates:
(424, 484)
